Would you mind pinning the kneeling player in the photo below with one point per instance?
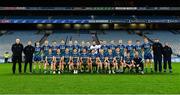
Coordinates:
(84, 57)
(128, 63)
(139, 66)
(49, 60)
(75, 60)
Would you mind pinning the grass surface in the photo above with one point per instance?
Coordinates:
(89, 83)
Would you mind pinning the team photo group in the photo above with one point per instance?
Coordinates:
(114, 57)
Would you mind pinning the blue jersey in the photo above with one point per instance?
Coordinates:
(83, 47)
(93, 56)
(147, 48)
(77, 47)
(58, 57)
(84, 56)
(138, 48)
(130, 50)
(70, 47)
(62, 48)
(121, 47)
(67, 55)
(118, 56)
(37, 51)
(112, 47)
(110, 57)
(105, 48)
(128, 60)
(49, 58)
(46, 49)
(75, 56)
(54, 50)
(102, 57)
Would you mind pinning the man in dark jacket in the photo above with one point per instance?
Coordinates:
(157, 51)
(167, 52)
(28, 51)
(17, 50)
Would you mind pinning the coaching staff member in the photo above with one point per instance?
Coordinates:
(157, 51)
(167, 52)
(17, 50)
(28, 52)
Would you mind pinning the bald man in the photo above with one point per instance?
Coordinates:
(17, 50)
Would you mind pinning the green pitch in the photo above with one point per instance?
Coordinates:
(89, 83)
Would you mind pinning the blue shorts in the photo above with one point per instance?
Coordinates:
(37, 58)
(66, 60)
(84, 61)
(148, 56)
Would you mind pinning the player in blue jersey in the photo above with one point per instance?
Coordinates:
(54, 48)
(93, 60)
(70, 46)
(102, 56)
(75, 60)
(138, 48)
(59, 61)
(104, 47)
(37, 57)
(45, 49)
(122, 48)
(49, 61)
(84, 57)
(112, 46)
(119, 60)
(76, 46)
(67, 59)
(147, 49)
(111, 61)
(130, 49)
(62, 46)
(88, 47)
(128, 63)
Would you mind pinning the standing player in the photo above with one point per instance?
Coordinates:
(130, 49)
(54, 48)
(88, 45)
(112, 46)
(37, 57)
(122, 51)
(62, 46)
(45, 49)
(104, 47)
(147, 48)
(76, 46)
(75, 60)
(49, 61)
(138, 48)
(84, 57)
(70, 46)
